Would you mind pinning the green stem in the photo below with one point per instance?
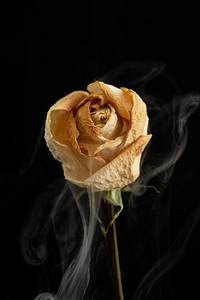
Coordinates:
(114, 252)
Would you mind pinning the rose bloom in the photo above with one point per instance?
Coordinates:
(98, 135)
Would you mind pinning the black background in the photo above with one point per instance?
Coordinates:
(50, 48)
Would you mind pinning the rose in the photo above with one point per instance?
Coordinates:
(98, 135)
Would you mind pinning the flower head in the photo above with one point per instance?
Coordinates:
(98, 135)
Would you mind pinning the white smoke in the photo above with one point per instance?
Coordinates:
(68, 214)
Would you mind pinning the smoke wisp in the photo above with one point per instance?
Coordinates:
(62, 228)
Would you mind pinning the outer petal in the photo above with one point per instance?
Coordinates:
(139, 119)
(70, 101)
(61, 127)
(122, 170)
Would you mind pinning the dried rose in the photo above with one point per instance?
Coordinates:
(98, 135)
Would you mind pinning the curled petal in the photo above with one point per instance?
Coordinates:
(138, 121)
(113, 127)
(70, 101)
(61, 127)
(86, 127)
(118, 98)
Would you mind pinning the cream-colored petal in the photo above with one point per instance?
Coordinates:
(121, 171)
(110, 149)
(139, 120)
(119, 98)
(62, 128)
(94, 138)
(75, 165)
(78, 169)
(70, 101)
(113, 127)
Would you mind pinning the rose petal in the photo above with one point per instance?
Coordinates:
(110, 149)
(74, 165)
(70, 101)
(81, 167)
(139, 120)
(61, 138)
(113, 127)
(118, 98)
(121, 171)
(88, 131)
(62, 127)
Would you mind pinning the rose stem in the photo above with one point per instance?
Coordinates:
(114, 252)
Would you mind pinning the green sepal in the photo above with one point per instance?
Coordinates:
(113, 197)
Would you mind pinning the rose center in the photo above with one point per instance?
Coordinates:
(100, 116)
